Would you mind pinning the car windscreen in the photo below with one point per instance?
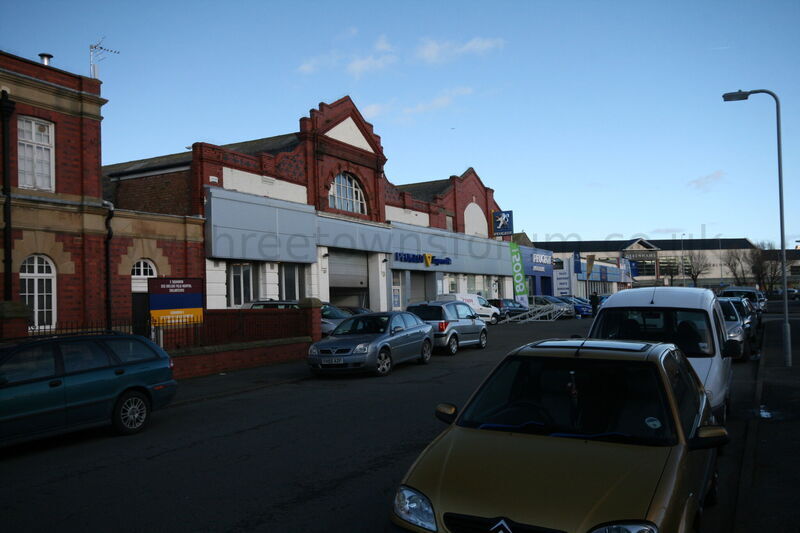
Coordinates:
(750, 295)
(619, 401)
(552, 299)
(690, 329)
(361, 325)
(739, 305)
(427, 312)
(728, 311)
(329, 311)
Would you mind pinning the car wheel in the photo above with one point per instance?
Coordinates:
(482, 340)
(452, 345)
(493, 320)
(131, 413)
(384, 363)
(425, 353)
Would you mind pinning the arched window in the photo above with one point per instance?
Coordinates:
(142, 269)
(37, 288)
(346, 195)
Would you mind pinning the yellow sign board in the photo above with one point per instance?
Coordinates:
(164, 317)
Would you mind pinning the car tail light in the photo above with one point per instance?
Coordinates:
(171, 363)
(443, 325)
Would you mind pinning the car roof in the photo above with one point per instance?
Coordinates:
(596, 349)
(435, 302)
(681, 297)
(10, 343)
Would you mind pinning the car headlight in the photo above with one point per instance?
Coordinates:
(413, 507)
(633, 527)
(735, 332)
(312, 350)
(362, 348)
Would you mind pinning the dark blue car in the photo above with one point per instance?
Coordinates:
(62, 383)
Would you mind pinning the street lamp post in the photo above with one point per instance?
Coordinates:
(787, 332)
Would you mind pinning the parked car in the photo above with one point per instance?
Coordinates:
(61, 383)
(579, 436)
(332, 316)
(355, 310)
(567, 309)
(750, 293)
(508, 307)
(749, 318)
(688, 317)
(488, 313)
(272, 304)
(736, 328)
(455, 324)
(375, 342)
(580, 308)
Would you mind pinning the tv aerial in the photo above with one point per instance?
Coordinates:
(97, 53)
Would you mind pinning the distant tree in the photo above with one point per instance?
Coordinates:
(735, 263)
(697, 264)
(764, 265)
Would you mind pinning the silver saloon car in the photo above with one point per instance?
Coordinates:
(373, 342)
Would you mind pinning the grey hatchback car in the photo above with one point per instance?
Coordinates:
(57, 384)
(374, 342)
(454, 324)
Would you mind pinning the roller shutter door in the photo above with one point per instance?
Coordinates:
(417, 293)
(348, 268)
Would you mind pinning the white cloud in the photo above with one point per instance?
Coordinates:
(352, 31)
(443, 100)
(312, 65)
(383, 45)
(432, 51)
(704, 183)
(360, 65)
(373, 110)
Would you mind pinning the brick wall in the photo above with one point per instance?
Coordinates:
(194, 365)
(163, 193)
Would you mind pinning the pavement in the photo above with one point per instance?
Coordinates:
(769, 486)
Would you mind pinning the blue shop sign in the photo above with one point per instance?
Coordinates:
(537, 262)
(502, 223)
(427, 259)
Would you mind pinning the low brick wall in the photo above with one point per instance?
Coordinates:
(206, 360)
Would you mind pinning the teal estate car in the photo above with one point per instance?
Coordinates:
(56, 384)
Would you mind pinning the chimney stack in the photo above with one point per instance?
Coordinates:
(46, 58)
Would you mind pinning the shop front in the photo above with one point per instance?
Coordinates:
(538, 266)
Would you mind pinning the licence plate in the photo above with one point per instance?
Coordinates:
(332, 361)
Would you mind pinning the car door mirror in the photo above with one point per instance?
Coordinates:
(473, 317)
(396, 330)
(446, 412)
(730, 348)
(708, 437)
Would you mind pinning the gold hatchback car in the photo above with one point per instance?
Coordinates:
(578, 436)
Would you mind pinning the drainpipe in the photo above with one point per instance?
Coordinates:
(6, 110)
(109, 235)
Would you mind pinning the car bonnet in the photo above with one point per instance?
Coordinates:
(560, 483)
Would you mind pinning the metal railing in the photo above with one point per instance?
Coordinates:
(547, 313)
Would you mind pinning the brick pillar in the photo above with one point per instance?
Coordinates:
(14, 317)
(311, 308)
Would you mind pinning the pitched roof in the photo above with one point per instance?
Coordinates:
(269, 145)
(426, 190)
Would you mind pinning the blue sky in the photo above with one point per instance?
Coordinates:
(590, 119)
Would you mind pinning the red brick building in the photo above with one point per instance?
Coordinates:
(59, 223)
(354, 237)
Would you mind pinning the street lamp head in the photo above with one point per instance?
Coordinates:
(735, 97)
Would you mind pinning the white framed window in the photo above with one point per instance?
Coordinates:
(241, 280)
(140, 272)
(346, 194)
(37, 289)
(35, 153)
(292, 281)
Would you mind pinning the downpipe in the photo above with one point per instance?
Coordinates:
(109, 235)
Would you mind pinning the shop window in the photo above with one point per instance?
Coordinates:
(453, 285)
(795, 270)
(346, 195)
(141, 271)
(646, 268)
(241, 281)
(471, 285)
(35, 155)
(558, 264)
(292, 281)
(397, 291)
(37, 288)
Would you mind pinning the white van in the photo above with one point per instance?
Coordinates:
(687, 317)
(485, 310)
